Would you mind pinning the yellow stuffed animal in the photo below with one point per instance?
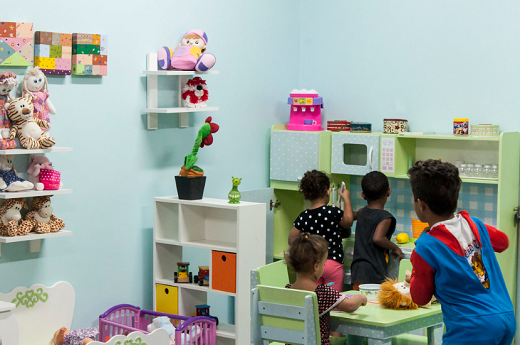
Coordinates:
(396, 295)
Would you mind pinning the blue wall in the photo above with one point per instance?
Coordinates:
(425, 61)
(118, 166)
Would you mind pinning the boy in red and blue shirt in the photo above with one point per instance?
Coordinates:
(454, 259)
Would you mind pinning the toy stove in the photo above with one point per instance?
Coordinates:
(305, 110)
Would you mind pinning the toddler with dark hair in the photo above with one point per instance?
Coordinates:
(454, 259)
(374, 228)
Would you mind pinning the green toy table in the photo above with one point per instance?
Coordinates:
(380, 325)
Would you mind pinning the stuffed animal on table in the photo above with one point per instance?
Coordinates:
(195, 93)
(35, 84)
(27, 126)
(396, 295)
(77, 337)
(163, 322)
(189, 55)
(12, 223)
(9, 180)
(42, 217)
(7, 83)
(39, 164)
(234, 195)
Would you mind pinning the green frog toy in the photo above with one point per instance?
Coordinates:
(234, 195)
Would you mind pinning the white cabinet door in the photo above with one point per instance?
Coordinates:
(354, 154)
(292, 154)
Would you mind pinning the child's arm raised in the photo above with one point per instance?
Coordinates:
(350, 305)
(381, 240)
(348, 215)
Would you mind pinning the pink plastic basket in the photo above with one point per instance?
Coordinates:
(50, 179)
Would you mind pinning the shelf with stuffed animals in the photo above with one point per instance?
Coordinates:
(188, 59)
(26, 213)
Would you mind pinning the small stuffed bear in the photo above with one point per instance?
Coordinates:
(37, 164)
(189, 55)
(27, 126)
(41, 216)
(35, 84)
(9, 180)
(163, 322)
(11, 220)
(77, 337)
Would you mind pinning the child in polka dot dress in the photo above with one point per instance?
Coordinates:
(329, 222)
(307, 257)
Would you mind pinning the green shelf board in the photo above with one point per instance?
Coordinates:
(464, 179)
(448, 137)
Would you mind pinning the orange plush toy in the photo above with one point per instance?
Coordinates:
(396, 295)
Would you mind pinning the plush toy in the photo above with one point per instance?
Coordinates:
(195, 93)
(40, 164)
(396, 295)
(35, 84)
(189, 55)
(12, 223)
(7, 83)
(78, 337)
(163, 322)
(41, 216)
(27, 126)
(9, 180)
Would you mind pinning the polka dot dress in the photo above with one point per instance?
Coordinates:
(327, 297)
(324, 221)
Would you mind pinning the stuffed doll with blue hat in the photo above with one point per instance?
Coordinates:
(189, 55)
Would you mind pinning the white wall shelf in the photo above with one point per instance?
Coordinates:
(152, 94)
(36, 151)
(212, 225)
(33, 193)
(34, 239)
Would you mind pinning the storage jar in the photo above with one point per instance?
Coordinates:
(395, 126)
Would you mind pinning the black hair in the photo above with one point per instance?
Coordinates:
(305, 252)
(314, 185)
(437, 184)
(374, 185)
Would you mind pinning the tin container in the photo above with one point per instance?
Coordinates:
(395, 126)
(361, 127)
(338, 126)
(460, 126)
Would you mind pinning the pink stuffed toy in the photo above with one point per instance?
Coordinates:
(189, 55)
(37, 166)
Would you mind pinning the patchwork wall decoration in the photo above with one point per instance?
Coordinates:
(53, 52)
(16, 44)
(89, 54)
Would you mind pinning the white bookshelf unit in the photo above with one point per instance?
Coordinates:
(152, 93)
(239, 230)
(34, 239)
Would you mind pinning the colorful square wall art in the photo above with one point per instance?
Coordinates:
(89, 54)
(16, 44)
(53, 52)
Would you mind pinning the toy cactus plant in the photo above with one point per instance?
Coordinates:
(204, 138)
(191, 180)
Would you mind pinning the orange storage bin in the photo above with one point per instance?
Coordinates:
(224, 271)
(418, 227)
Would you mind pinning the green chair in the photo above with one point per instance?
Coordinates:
(273, 274)
(285, 316)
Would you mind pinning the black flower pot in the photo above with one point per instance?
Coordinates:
(190, 188)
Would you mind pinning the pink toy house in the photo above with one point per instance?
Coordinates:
(305, 110)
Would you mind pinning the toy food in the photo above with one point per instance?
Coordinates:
(195, 93)
(402, 238)
(189, 55)
(9, 180)
(27, 126)
(35, 84)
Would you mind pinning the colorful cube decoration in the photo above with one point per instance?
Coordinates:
(53, 52)
(89, 54)
(16, 44)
